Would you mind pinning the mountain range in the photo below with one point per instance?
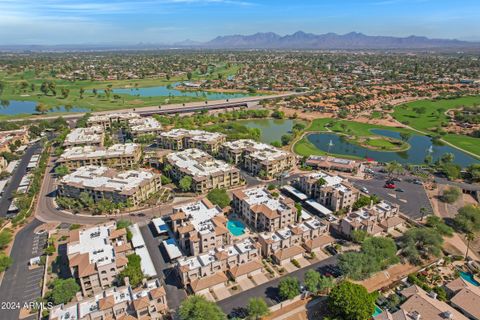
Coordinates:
(352, 40)
(270, 40)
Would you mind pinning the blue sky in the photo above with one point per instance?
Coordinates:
(166, 21)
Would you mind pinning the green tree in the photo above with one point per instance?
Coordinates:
(219, 197)
(451, 194)
(185, 183)
(351, 301)
(288, 288)
(257, 308)
(42, 108)
(5, 262)
(421, 243)
(61, 171)
(439, 225)
(474, 171)
(467, 221)
(199, 308)
(394, 168)
(62, 291)
(5, 238)
(358, 236)
(133, 270)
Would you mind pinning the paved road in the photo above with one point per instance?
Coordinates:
(21, 285)
(268, 291)
(187, 107)
(17, 176)
(411, 200)
(175, 292)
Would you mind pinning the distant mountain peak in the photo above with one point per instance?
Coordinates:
(351, 40)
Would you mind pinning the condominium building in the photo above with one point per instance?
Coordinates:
(205, 271)
(180, 139)
(331, 191)
(117, 156)
(332, 163)
(264, 211)
(133, 186)
(200, 227)
(107, 120)
(374, 219)
(144, 126)
(92, 136)
(298, 234)
(97, 255)
(206, 172)
(125, 302)
(258, 158)
(10, 137)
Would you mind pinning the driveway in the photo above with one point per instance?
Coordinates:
(246, 284)
(268, 291)
(20, 284)
(221, 292)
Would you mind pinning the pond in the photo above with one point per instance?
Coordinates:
(271, 129)
(166, 91)
(420, 147)
(15, 107)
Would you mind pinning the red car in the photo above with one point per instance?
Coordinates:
(390, 185)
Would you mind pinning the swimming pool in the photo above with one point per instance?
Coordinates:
(236, 227)
(469, 277)
(377, 311)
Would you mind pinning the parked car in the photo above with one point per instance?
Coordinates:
(364, 190)
(416, 181)
(331, 250)
(399, 190)
(389, 185)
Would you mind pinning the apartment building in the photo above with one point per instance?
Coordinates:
(200, 227)
(332, 163)
(201, 273)
(331, 191)
(133, 186)
(297, 234)
(374, 219)
(107, 120)
(259, 159)
(181, 139)
(120, 156)
(144, 126)
(12, 136)
(207, 173)
(264, 211)
(147, 301)
(91, 136)
(97, 255)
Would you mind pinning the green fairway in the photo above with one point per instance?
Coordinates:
(304, 148)
(428, 115)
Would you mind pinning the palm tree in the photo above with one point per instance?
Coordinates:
(470, 236)
(423, 211)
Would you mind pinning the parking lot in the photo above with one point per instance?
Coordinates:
(34, 276)
(410, 200)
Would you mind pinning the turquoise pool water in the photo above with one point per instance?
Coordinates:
(377, 311)
(469, 277)
(236, 227)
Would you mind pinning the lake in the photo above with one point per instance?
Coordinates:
(271, 129)
(171, 91)
(16, 107)
(420, 147)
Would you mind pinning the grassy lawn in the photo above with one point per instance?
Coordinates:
(99, 102)
(434, 116)
(376, 115)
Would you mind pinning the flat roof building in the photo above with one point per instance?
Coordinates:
(259, 159)
(97, 255)
(92, 136)
(199, 227)
(206, 172)
(117, 156)
(262, 210)
(133, 186)
(144, 126)
(107, 120)
(332, 163)
(331, 191)
(181, 139)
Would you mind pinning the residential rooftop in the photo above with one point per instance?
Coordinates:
(144, 125)
(90, 135)
(195, 135)
(104, 178)
(258, 150)
(200, 214)
(116, 150)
